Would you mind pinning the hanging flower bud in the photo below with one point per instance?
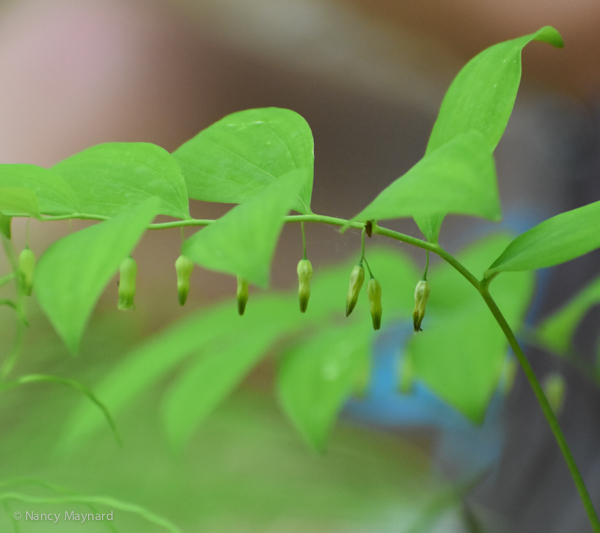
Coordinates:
(242, 295)
(26, 270)
(128, 273)
(421, 296)
(184, 267)
(554, 389)
(357, 277)
(374, 294)
(305, 272)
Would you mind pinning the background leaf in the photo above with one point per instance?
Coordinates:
(243, 241)
(73, 272)
(54, 194)
(461, 352)
(556, 332)
(111, 177)
(241, 154)
(481, 98)
(316, 378)
(556, 240)
(458, 178)
(218, 369)
(199, 335)
(18, 200)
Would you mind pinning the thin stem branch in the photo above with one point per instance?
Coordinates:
(303, 240)
(547, 410)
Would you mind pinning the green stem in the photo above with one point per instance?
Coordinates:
(426, 266)
(362, 245)
(303, 240)
(548, 412)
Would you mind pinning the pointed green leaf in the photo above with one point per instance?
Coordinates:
(73, 272)
(243, 241)
(483, 94)
(458, 178)
(111, 177)
(461, 352)
(316, 378)
(554, 241)
(219, 368)
(241, 154)
(481, 98)
(18, 201)
(556, 332)
(54, 194)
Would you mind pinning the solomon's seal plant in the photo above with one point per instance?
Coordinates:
(262, 160)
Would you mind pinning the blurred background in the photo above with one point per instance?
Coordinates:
(369, 78)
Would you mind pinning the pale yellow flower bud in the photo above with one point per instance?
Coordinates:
(184, 267)
(305, 272)
(374, 294)
(357, 277)
(128, 274)
(421, 296)
(26, 270)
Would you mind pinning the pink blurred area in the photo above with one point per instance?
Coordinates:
(76, 73)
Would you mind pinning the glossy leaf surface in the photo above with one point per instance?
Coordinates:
(554, 241)
(111, 177)
(73, 272)
(243, 241)
(315, 379)
(243, 153)
(458, 178)
(54, 194)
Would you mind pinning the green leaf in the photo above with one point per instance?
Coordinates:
(243, 241)
(316, 378)
(556, 331)
(461, 352)
(55, 195)
(18, 200)
(458, 178)
(147, 364)
(218, 370)
(241, 154)
(483, 94)
(5, 225)
(554, 241)
(481, 98)
(111, 177)
(73, 272)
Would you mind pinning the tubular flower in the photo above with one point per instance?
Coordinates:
(128, 273)
(26, 270)
(374, 294)
(357, 277)
(242, 295)
(421, 296)
(184, 267)
(305, 272)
